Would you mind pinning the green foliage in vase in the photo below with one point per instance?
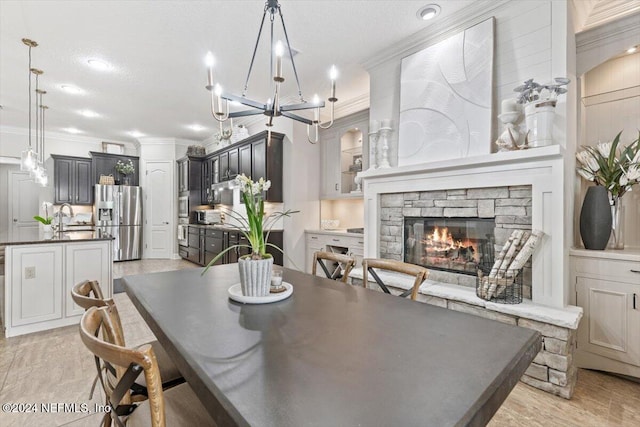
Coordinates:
(125, 168)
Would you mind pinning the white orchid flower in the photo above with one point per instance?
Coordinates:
(605, 149)
(623, 180)
(633, 173)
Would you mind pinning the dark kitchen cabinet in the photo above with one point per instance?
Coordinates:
(244, 167)
(72, 181)
(204, 244)
(233, 163)
(105, 164)
(224, 166)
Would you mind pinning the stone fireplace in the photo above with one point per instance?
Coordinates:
(476, 203)
(453, 232)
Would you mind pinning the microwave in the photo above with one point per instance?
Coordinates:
(209, 216)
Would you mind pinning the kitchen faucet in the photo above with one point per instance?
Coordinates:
(60, 225)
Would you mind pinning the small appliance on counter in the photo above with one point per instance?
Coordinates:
(209, 216)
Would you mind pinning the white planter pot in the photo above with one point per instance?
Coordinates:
(47, 231)
(255, 276)
(539, 118)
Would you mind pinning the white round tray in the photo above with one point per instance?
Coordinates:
(235, 293)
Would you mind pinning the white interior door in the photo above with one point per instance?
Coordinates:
(23, 206)
(159, 224)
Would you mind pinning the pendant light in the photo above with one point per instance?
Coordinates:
(29, 158)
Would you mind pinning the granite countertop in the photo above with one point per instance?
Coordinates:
(336, 232)
(223, 227)
(67, 237)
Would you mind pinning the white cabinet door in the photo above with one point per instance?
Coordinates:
(86, 261)
(36, 284)
(611, 324)
(330, 153)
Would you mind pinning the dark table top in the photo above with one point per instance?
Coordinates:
(331, 354)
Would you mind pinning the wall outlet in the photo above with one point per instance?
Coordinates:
(30, 273)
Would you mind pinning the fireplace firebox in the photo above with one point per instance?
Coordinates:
(456, 245)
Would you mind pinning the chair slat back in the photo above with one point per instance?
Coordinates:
(127, 363)
(88, 294)
(369, 266)
(341, 271)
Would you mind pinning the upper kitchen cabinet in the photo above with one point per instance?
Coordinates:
(343, 155)
(105, 164)
(190, 174)
(72, 181)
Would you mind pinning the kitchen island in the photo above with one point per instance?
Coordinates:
(39, 275)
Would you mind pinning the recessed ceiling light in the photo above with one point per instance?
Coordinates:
(136, 134)
(632, 49)
(71, 89)
(88, 113)
(72, 130)
(99, 64)
(196, 127)
(428, 12)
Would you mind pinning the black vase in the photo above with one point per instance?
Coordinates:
(595, 218)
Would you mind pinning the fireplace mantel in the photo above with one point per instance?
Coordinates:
(541, 168)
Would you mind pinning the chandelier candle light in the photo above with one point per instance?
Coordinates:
(272, 108)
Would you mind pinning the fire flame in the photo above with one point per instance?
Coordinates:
(442, 238)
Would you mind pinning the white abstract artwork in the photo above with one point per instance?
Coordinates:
(446, 98)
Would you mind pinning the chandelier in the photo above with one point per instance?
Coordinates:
(32, 160)
(272, 107)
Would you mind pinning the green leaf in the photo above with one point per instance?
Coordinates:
(45, 221)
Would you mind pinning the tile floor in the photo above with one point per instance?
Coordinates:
(53, 366)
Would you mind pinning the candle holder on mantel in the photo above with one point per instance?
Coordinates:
(384, 133)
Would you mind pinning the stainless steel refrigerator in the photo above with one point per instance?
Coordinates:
(117, 212)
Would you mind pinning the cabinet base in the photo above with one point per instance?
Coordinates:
(588, 360)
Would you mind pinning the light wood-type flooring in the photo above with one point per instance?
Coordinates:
(54, 367)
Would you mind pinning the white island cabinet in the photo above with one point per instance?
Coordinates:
(39, 277)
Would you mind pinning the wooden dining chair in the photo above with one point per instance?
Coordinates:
(369, 265)
(88, 294)
(343, 265)
(177, 406)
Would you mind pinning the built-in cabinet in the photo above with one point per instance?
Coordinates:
(39, 279)
(72, 180)
(351, 244)
(607, 287)
(105, 164)
(344, 154)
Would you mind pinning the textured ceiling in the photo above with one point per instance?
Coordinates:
(157, 48)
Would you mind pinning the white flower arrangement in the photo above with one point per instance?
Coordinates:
(608, 165)
(125, 168)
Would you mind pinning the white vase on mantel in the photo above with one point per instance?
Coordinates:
(539, 118)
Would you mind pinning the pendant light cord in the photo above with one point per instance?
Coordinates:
(29, 97)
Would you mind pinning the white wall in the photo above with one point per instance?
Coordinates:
(610, 104)
(15, 140)
(530, 42)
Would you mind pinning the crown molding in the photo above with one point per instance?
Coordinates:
(471, 15)
(621, 28)
(156, 141)
(604, 12)
(359, 103)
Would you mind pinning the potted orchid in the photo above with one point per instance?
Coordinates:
(255, 267)
(45, 220)
(616, 170)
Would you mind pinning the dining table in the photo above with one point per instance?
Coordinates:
(331, 354)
